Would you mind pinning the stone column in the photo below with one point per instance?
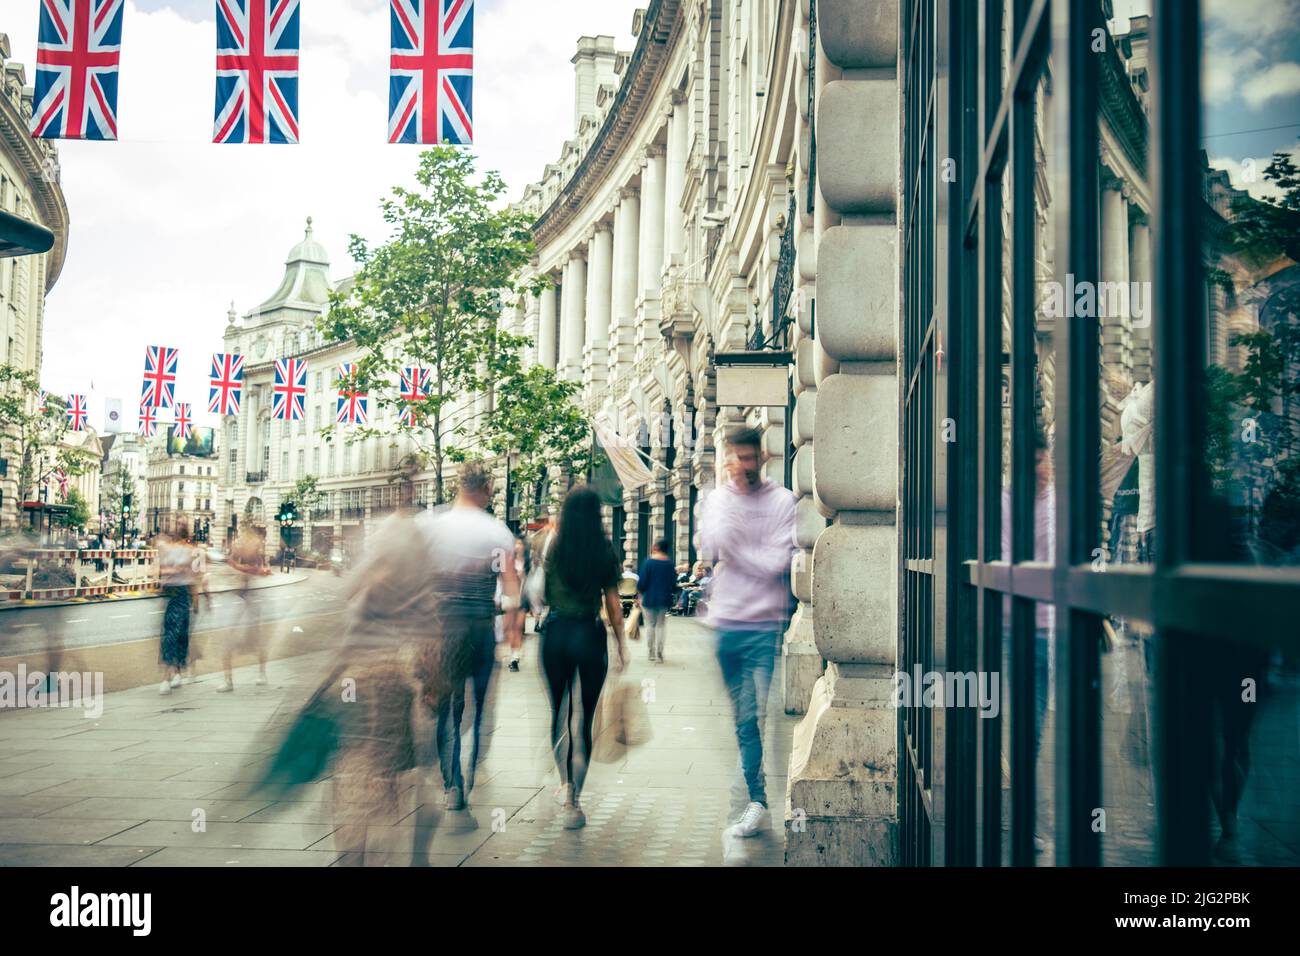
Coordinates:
(572, 332)
(650, 268)
(627, 224)
(675, 179)
(531, 328)
(1116, 337)
(547, 328)
(600, 280)
(1139, 249)
(841, 807)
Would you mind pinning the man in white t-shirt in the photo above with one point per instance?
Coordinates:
(470, 550)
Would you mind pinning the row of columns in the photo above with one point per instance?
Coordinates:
(586, 325)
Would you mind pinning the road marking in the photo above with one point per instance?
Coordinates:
(77, 620)
(118, 617)
(24, 625)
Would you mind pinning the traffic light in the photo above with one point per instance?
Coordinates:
(126, 505)
(288, 512)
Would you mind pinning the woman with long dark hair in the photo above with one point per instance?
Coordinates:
(582, 573)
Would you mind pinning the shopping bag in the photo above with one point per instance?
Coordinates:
(307, 748)
(621, 723)
(632, 626)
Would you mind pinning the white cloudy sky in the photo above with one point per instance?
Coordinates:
(168, 228)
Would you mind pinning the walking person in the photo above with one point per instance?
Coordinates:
(582, 575)
(747, 531)
(514, 636)
(244, 559)
(177, 566)
(470, 551)
(655, 585)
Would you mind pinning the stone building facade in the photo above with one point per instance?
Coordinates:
(689, 216)
(262, 458)
(29, 189)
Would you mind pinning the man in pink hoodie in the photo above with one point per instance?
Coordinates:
(747, 530)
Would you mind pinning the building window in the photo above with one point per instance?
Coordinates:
(1032, 415)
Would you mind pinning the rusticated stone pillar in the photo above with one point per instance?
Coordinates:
(841, 806)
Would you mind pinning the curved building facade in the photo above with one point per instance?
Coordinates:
(30, 190)
(685, 221)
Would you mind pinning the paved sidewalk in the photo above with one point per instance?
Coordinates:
(125, 789)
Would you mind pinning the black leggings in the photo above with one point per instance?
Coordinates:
(573, 647)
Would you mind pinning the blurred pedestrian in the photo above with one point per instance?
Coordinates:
(655, 584)
(245, 560)
(177, 570)
(469, 551)
(582, 575)
(392, 653)
(515, 635)
(747, 530)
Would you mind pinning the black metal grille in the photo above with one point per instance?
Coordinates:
(812, 107)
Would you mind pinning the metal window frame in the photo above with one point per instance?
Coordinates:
(958, 104)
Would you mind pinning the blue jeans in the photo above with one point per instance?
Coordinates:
(483, 635)
(747, 659)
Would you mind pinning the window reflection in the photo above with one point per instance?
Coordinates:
(1251, 164)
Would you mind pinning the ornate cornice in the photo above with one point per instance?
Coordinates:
(46, 193)
(659, 28)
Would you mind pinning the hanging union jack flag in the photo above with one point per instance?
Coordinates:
(352, 403)
(159, 386)
(431, 71)
(77, 412)
(148, 422)
(77, 48)
(257, 71)
(226, 384)
(184, 420)
(289, 393)
(415, 389)
(61, 476)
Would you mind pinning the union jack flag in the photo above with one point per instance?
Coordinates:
(226, 384)
(352, 403)
(257, 71)
(77, 412)
(159, 388)
(42, 400)
(289, 393)
(77, 48)
(61, 476)
(148, 421)
(415, 389)
(184, 420)
(431, 71)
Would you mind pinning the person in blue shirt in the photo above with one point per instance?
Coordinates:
(655, 584)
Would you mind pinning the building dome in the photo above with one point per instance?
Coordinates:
(306, 283)
(308, 250)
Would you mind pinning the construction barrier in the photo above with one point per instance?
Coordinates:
(93, 570)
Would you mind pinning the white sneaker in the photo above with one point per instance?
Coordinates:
(176, 680)
(752, 821)
(261, 680)
(574, 818)
(226, 687)
(455, 799)
(165, 688)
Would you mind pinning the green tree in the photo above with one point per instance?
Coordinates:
(533, 420)
(79, 516)
(31, 433)
(430, 297)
